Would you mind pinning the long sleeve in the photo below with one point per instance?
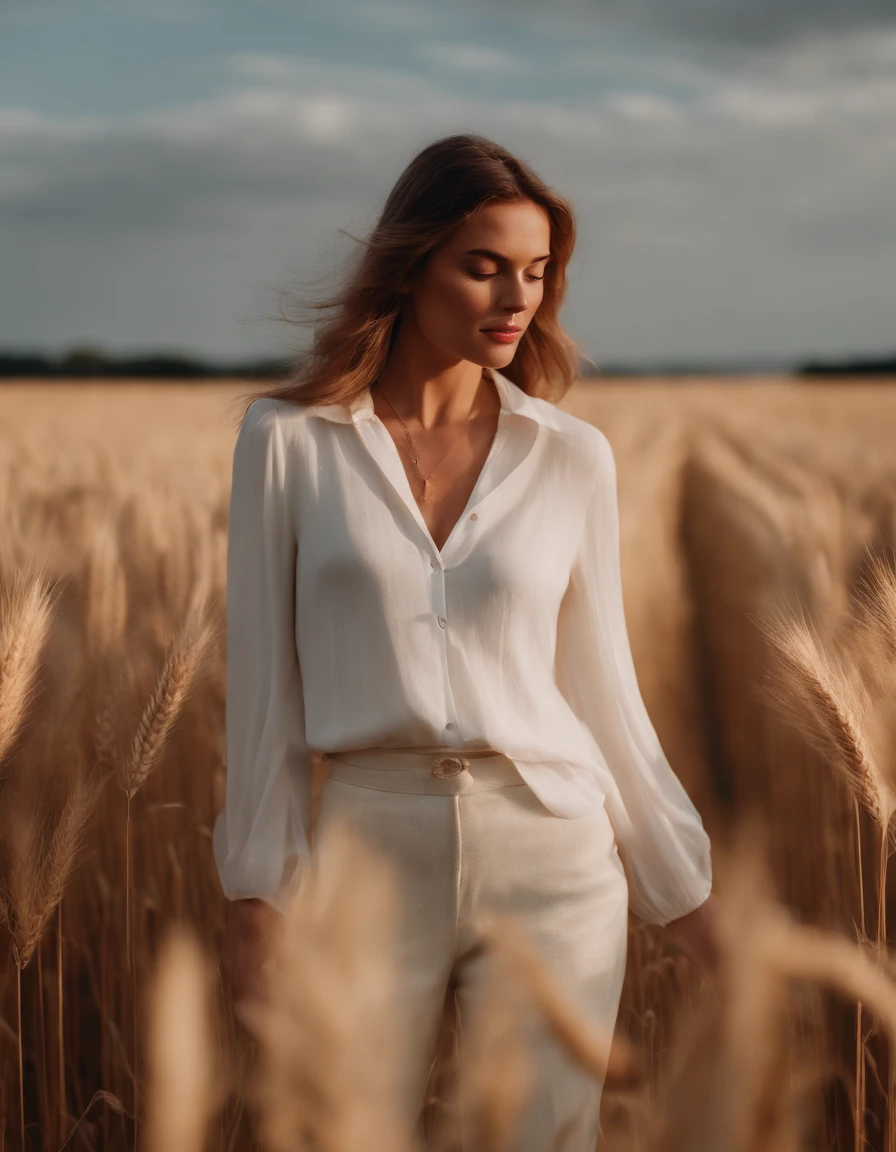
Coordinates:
(263, 830)
(660, 835)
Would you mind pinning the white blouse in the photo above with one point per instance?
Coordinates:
(348, 628)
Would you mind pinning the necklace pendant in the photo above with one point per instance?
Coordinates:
(427, 491)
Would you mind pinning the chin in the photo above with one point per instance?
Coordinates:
(487, 354)
(496, 355)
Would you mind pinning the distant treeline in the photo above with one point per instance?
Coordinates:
(157, 366)
(80, 363)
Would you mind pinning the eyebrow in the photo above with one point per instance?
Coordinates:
(497, 255)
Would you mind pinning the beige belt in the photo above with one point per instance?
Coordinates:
(439, 772)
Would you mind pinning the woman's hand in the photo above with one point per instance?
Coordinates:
(697, 934)
(247, 947)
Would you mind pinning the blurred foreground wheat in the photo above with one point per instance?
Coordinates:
(759, 524)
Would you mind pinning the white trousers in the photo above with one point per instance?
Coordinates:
(469, 835)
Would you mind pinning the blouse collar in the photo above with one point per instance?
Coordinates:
(513, 399)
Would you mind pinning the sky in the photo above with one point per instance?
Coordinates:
(167, 168)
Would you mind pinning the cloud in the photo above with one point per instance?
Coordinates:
(759, 22)
(644, 108)
(258, 145)
(471, 57)
(747, 24)
(735, 211)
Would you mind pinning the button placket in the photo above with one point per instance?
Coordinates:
(440, 609)
(439, 606)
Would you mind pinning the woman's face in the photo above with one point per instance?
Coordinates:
(487, 275)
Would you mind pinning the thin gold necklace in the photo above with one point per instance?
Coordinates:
(427, 489)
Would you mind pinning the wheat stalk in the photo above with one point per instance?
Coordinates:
(755, 1005)
(26, 610)
(875, 640)
(615, 1063)
(328, 1029)
(106, 601)
(728, 1084)
(65, 845)
(497, 1070)
(806, 952)
(497, 1067)
(157, 722)
(182, 1066)
(829, 708)
(164, 707)
(40, 867)
(828, 705)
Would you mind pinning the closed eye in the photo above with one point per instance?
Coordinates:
(489, 275)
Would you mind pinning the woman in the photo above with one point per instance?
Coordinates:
(424, 585)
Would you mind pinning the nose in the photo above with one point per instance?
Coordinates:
(515, 301)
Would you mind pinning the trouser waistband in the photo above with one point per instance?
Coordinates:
(439, 772)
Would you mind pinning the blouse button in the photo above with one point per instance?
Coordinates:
(442, 621)
(474, 515)
(449, 724)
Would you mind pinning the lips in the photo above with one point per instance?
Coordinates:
(507, 329)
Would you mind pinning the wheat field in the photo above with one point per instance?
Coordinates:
(758, 529)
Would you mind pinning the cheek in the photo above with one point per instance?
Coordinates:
(453, 304)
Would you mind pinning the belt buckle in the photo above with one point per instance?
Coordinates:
(449, 765)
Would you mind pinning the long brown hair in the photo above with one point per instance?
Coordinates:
(446, 182)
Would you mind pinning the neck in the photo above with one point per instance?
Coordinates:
(447, 397)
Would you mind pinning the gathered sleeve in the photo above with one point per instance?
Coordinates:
(659, 832)
(262, 833)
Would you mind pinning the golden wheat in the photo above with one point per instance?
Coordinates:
(737, 501)
(815, 690)
(26, 607)
(328, 1033)
(182, 1062)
